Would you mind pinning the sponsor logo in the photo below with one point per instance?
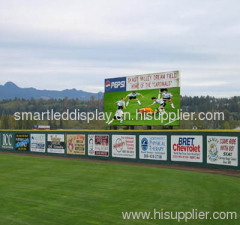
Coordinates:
(186, 148)
(23, 143)
(119, 145)
(144, 144)
(90, 143)
(115, 84)
(7, 140)
(55, 139)
(186, 145)
(118, 84)
(213, 149)
(108, 84)
(71, 145)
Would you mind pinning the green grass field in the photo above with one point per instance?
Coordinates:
(36, 190)
(112, 97)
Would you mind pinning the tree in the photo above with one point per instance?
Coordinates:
(4, 121)
(226, 125)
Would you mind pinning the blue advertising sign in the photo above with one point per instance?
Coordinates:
(115, 84)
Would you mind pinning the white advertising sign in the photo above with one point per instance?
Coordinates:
(55, 143)
(124, 146)
(98, 145)
(153, 147)
(222, 150)
(37, 143)
(187, 148)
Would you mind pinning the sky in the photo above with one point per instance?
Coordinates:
(67, 44)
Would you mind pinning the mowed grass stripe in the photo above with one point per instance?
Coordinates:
(37, 190)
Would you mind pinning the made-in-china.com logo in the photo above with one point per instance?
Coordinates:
(119, 145)
(213, 149)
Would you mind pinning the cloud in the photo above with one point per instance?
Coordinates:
(76, 44)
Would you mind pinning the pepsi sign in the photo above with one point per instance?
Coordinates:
(115, 84)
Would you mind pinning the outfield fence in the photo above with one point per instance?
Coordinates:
(203, 148)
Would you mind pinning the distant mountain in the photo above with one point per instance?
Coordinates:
(11, 91)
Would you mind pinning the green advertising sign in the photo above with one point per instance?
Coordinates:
(7, 141)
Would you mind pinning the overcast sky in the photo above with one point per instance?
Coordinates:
(77, 43)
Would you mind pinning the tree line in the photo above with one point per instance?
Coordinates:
(230, 107)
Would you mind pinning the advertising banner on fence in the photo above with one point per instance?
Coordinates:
(187, 148)
(76, 144)
(7, 140)
(124, 146)
(38, 143)
(222, 150)
(153, 147)
(55, 143)
(22, 142)
(98, 145)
